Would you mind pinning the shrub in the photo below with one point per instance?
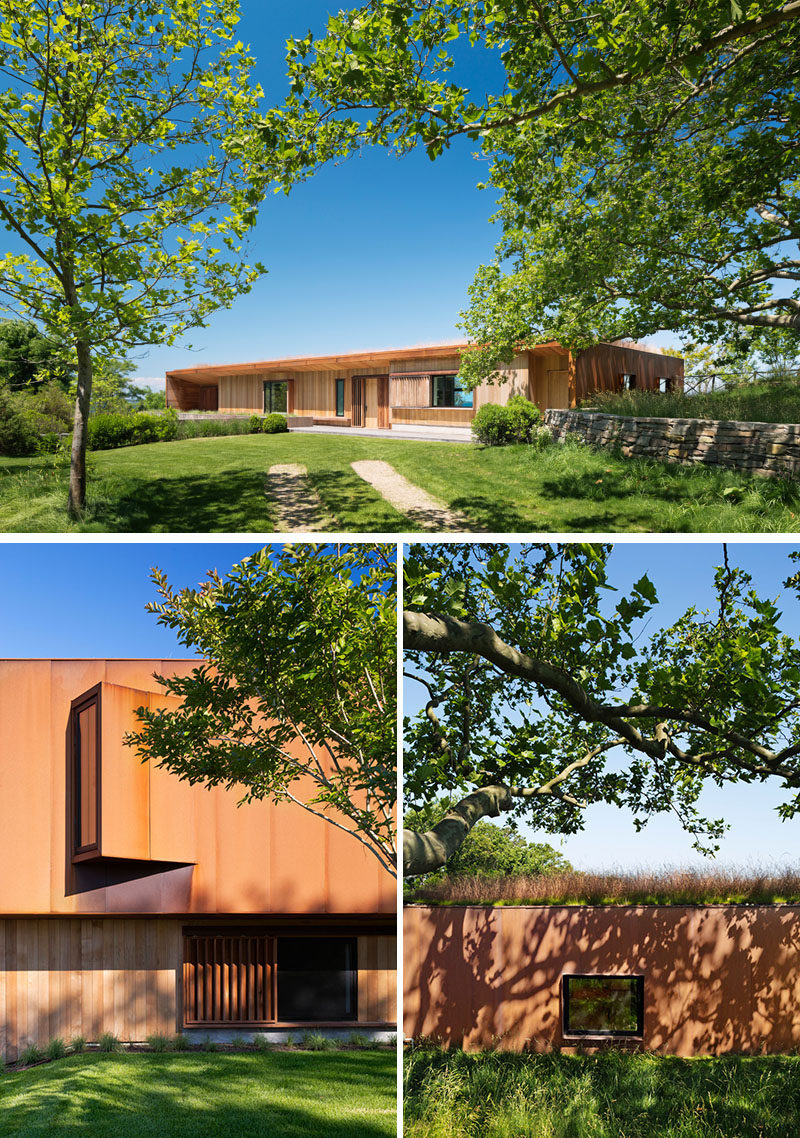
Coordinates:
(109, 1042)
(516, 422)
(159, 1042)
(18, 434)
(77, 1044)
(358, 1039)
(254, 424)
(56, 1049)
(112, 429)
(274, 424)
(212, 428)
(316, 1041)
(209, 1044)
(180, 1043)
(261, 1043)
(30, 1055)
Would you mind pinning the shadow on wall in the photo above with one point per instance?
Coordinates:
(717, 979)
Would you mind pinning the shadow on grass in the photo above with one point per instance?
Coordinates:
(491, 516)
(355, 505)
(177, 1096)
(228, 502)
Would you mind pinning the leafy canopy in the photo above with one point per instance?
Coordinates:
(296, 697)
(536, 679)
(645, 152)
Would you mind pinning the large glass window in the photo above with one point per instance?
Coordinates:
(340, 397)
(447, 391)
(275, 396)
(316, 979)
(84, 724)
(603, 1005)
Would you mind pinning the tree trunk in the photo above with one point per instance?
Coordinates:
(422, 853)
(77, 469)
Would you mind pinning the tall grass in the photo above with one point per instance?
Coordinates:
(751, 402)
(644, 887)
(609, 1095)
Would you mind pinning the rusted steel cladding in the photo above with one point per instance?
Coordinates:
(602, 367)
(163, 846)
(716, 979)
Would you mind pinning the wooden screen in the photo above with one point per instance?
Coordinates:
(228, 980)
(357, 402)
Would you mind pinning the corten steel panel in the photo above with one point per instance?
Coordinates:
(601, 368)
(717, 978)
(250, 859)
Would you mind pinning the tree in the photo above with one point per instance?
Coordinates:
(533, 680)
(124, 174)
(645, 153)
(295, 699)
(28, 359)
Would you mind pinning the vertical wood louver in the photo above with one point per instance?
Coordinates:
(228, 979)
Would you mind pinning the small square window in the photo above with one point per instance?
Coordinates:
(447, 391)
(603, 1005)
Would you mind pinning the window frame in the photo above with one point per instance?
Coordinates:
(223, 977)
(92, 697)
(269, 384)
(453, 377)
(629, 381)
(339, 398)
(605, 1033)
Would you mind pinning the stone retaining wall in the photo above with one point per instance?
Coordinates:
(759, 448)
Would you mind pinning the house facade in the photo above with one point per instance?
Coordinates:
(135, 904)
(414, 386)
(677, 979)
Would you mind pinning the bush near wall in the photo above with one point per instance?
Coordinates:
(515, 422)
(33, 422)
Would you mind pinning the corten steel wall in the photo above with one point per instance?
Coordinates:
(62, 977)
(717, 978)
(182, 849)
(600, 368)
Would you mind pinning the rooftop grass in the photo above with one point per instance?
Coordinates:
(748, 402)
(609, 1095)
(217, 485)
(668, 887)
(300, 1094)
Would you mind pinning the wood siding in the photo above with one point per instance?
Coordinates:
(64, 977)
(433, 416)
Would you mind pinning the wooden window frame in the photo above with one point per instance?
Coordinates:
(269, 383)
(434, 375)
(92, 697)
(606, 1033)
(218, 992)
(339, 391)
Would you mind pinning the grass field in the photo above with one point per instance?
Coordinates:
(300, 1094)
(747, 402)
(610, 1095)
(217, 485)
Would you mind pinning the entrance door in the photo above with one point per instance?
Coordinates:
(558, 389)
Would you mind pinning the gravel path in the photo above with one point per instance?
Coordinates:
(300, 508)
(427, 512)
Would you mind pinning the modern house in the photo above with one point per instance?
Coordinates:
(677, 979)
(135, 904)
(414, 386)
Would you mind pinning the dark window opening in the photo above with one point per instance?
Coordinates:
(85, 736)
(339, 398)
(628, 382)
(666, 384)
(316, 979)
(447, 391)
(603, 1005)
(275, 396)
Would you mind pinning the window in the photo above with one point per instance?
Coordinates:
(603, 1005)
(316, 978)
(275, 396)
(339, 398)
(447, 391)
(629, 382)
(247, 977)
(666, 384)
(85, 771)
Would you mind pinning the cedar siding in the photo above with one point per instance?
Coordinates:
(395, 387)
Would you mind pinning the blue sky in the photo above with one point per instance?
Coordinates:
(682, 573)
(375, 252)
(87, 598)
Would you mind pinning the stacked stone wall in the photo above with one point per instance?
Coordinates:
(759, 448)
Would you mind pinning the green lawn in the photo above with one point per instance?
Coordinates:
(609, 1095)
(217, 485)
(299, 1094)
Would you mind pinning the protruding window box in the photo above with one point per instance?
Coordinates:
(603, 1006)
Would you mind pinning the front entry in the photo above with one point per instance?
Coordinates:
(370, 406)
